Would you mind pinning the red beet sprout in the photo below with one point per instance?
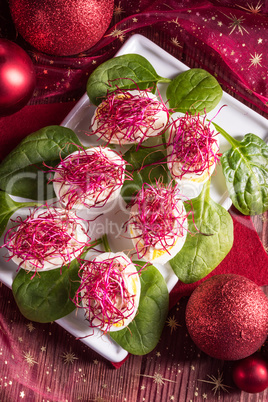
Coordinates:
(104, 294)
(156, 217)
(128, 117)
(90, 178)
(44, 236)
(193, 145)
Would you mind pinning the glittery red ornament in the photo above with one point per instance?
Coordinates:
(251, 374)
(17, 77)
(62, 27)
(227, 317)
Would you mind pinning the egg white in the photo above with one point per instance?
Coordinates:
(161, 119)
(132, 283)
(159, 254)
(175, 167)
(79, 237)
(100, 198)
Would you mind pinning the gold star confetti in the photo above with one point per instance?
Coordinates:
(172, 323)
(251, 8)
(217, 382)
(204, 396)
(175, 42)
(143, 387)
(29, 358)
(43, 348)
(236, 23)
(30, 327)
(259, 40)
(20, 339)
(69, 357)
(22, 394)
(256, 60)
(95, 361)
(158, 354)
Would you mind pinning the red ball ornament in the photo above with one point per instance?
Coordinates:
(17, 77)
(62, 27)
(227, 317)
(251, 374)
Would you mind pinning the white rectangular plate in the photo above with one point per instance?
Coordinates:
(235, 118)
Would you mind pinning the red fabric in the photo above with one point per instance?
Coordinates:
(29, 119)
(226, 38)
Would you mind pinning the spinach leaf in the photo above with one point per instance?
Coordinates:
(245, 168)
(126, 72)
(47, 296)
(209, 240)
(22, 173)
(146, 165)
(193, 91)
(8, 207)
(143, 333)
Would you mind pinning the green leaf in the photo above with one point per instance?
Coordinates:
(245, 168)
(47, 296)
(146, 165)
(194, 91)
(143, 333)
(22, 172)
(8, 207)
(209, 240)
(126, 72)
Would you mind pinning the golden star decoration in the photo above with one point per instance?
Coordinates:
(157, 378)
(118, 33)
(30, 326)
(29, 358)
(69, 357)
(236, 23)
(118, 10)
(175, 42)
(172, 323)
(217, 382)
(251, 8)
(256, 60)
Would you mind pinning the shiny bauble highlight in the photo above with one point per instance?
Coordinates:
(62, 27)
(17, 77)
(251, 374)
(227, 317)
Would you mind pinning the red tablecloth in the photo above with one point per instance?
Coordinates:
(229, 40)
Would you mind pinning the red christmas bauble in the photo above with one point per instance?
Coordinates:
(251, 374)
(62, 27)
(17, 77)
(227, 317)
